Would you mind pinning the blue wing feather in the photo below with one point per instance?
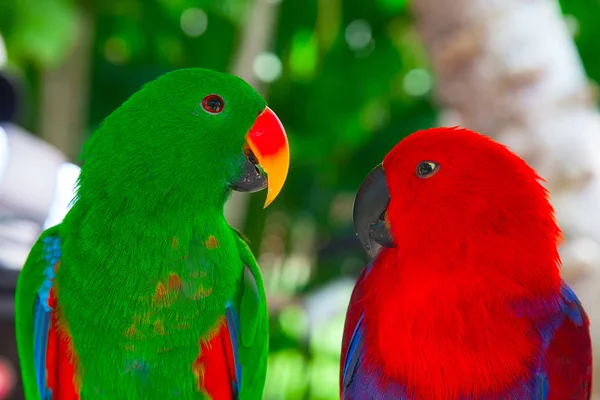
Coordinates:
(353, 354)
(568, 326)
(42, 315)
(356, 340)
(233, 324)
(40, 326)
(359, 382)
(550, 317)
(573, 307)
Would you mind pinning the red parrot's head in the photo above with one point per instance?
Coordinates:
(445, 189)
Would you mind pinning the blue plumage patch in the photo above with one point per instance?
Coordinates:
(234, 328)
(566, 306)
(139, 368)
(542, 385)
(52, 254)
(572, 310)
(368, 385)
(352, 356)
(358, 381)
(41, 324)
(42, 314)
(369, 267)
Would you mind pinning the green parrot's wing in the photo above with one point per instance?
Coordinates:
(253, 345)
(32, 316)
(242, 236)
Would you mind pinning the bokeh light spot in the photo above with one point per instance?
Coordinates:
(572, 24)
(3, 56)
(417, 82)
(267, 67)
(194, 22)
(293, 321)
(358, 34)
(117, 51)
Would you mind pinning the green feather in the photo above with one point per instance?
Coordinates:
(254, 326)
(242, 236)
(149, 261)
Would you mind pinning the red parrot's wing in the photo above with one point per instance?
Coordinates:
(352, 338)
(569, 354)
(357, 381)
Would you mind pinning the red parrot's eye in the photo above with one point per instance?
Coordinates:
(426, 169)
(213, 104)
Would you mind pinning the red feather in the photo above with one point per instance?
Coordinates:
(569, 361)
(59, 367)
(215, 365)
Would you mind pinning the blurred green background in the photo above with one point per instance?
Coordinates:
(348, 78)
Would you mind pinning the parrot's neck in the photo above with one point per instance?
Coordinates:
(132, 252)
(110, 229)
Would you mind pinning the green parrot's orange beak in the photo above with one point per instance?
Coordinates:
(268, 142)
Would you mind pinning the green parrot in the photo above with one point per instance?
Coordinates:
(144, 291)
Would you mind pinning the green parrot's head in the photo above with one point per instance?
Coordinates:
(188, 137)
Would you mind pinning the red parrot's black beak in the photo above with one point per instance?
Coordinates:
(370, 206)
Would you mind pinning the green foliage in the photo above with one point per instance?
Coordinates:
(582, 17)
(303, 56)
(135, 44)
(42, 31)
(392, 6)
(7, 16)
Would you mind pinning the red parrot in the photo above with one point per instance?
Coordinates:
(464, 299)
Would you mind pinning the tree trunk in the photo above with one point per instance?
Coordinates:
(64, 98)
(256, 38)
(509, 69)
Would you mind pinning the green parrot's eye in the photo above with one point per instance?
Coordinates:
(213, 104)
(427, 169)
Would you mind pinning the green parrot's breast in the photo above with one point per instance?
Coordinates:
(137, 324)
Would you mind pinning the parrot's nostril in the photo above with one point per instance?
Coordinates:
(252, 157)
